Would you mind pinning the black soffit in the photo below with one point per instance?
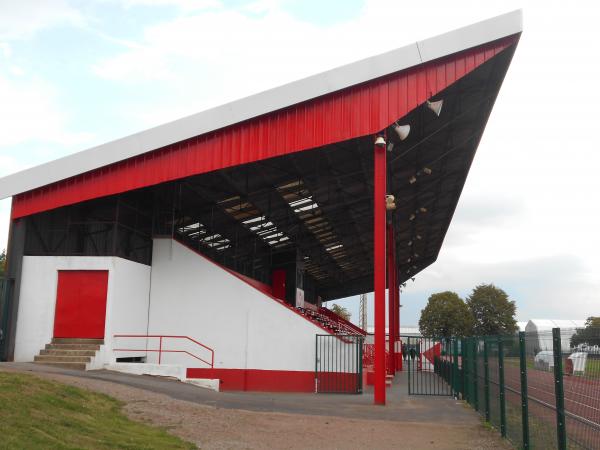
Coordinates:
(319, 202)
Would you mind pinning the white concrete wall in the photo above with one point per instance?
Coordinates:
(192, 296)
(126, 306)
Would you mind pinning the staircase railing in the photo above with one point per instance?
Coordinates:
(339, 319)
(161, 350)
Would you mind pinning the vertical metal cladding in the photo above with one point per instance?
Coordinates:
(342, 115)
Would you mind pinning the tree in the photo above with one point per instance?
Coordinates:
(445, 315)
(589, 335)
(341, 311)
(2, 262)
(492, 311)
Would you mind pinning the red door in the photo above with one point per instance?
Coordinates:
(278, 284)
(81, 304)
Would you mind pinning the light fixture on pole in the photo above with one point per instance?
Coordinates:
(380, 141)
(436, 107)
(390, 202)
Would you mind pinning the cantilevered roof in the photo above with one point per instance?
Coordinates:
(315, 86)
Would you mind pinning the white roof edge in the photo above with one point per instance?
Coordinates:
(262, 103)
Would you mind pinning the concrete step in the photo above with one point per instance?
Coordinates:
(77, 341)
(68, 352)
(72, 347)
(61, 358)
(64, 365)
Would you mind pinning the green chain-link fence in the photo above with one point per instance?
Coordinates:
(537, 389)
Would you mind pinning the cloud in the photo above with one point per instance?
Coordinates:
(185, 5)
(542, 287)
(23, 19)
(30, 112)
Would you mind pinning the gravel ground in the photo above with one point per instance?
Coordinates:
(215, 428)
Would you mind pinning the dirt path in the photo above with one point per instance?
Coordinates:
(214, 428)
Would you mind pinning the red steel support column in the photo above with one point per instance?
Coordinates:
(379, 181)
(396, 300)
(391, 268)
(398, 314)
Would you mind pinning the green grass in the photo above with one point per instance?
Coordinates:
(36, 413)
(592, 368)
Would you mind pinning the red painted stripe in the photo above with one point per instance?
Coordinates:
(271, 380)
(353, 112)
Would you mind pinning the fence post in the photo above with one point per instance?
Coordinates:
(475, 355)
(455, 367)
(486, 375)
(160, 350)
(466, 360)
(524, 398)
(316, 364)
(561, 436)
(501, 381)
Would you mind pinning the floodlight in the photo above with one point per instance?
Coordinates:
(402, 131)
(390, 202)
(436, 107)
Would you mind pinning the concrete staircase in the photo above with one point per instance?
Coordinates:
(69, 353)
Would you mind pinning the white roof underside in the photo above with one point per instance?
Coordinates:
(263, 103)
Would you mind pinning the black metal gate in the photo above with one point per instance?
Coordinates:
(338, 364)
(429, 364)
(5, 289)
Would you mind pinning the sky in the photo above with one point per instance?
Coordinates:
(74, 74)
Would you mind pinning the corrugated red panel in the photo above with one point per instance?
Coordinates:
(346, 114)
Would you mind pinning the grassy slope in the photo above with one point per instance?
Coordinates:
(36, 413)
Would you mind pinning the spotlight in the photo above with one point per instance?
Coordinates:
(426, 170)
(409, 243)
(412, 217)
(408, 260)
(414, 267)
(402, 130)
(418, 237)
(412, 180)
(390, 204)
(390, 146)
(422, 209)
(380, 141)
(436, 107)
(416, 255)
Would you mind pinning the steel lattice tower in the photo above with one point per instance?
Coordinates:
(362, 312)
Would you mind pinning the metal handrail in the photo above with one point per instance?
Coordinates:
(161, 350)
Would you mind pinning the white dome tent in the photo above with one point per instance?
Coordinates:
(540, 333)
